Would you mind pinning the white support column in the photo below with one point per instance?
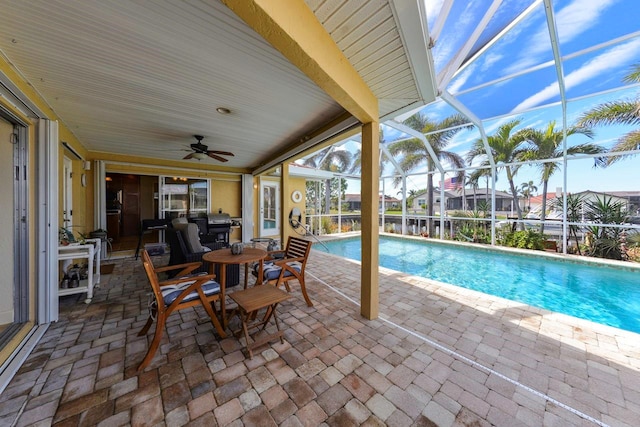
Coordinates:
(369, 291)
(404, 205)
(442, 206)
(493, 205)
(48, 221)
(248, 211)
(555, 46)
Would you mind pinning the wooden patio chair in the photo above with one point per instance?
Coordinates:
(184, 291)
(282, 266)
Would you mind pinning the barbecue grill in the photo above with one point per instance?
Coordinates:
(219, 226)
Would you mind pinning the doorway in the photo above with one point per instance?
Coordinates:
(129, 198)
(269, 208)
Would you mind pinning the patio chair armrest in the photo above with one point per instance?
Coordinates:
(284, 261)
(274, 254)
(187, 265)
(203, 278)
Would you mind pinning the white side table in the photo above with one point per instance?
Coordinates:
(90, 250)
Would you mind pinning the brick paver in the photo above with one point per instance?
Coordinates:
(438, 355)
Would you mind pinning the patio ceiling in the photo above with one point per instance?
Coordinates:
(140, 78)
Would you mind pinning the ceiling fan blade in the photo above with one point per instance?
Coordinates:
(222, 153)
(218, 158)
(188, 156)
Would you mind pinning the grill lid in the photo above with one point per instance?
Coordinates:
(219, 219)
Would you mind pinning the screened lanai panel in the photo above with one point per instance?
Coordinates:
(507, 12)
(622, 175)
(463, 19)
(514, 95)
(525, 46)
(436, 111)
(601, 70)
(582, 24)
(462, 141)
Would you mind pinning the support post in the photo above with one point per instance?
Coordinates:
(369, 292)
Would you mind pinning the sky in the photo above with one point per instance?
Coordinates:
(516, 77)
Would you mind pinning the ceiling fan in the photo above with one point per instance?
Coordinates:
(201, 151)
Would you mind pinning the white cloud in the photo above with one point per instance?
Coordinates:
(571, 21)
(599, 65)
(489, 59)
(455, 35)
(461, 79)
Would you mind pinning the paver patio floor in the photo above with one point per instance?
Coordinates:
(437, 355)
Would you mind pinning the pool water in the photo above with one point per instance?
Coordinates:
(602, 294)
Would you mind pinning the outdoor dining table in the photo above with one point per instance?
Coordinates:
(224, 257)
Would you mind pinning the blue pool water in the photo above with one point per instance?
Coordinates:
(601, 294)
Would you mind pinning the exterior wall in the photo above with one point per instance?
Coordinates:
(295, 184)
(6, 163)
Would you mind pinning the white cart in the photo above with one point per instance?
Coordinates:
(89, 250)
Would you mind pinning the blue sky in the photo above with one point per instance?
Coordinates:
(599, 41)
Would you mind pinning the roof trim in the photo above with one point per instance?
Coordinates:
(412, 26)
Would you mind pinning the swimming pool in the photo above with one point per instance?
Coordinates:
(599, 293)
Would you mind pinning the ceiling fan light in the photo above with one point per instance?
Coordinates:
(199, 156)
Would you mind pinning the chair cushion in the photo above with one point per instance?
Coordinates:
(271, 271)
(171, 292)
(191, 237)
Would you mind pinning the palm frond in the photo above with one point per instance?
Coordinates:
(611, 113)
(634, 75)
(629, 141)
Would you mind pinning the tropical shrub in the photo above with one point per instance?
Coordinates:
(328, 226)
(603, 241)
(473, 232)
(524, 239)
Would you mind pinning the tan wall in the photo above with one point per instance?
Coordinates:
(227, 195)
(296, 184)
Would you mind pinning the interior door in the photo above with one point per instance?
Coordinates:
(67, 194)
(269, 208)
(130, 205)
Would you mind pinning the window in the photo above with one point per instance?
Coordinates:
(184, 197)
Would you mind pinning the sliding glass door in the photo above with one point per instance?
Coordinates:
(14, 304)
(184, 197)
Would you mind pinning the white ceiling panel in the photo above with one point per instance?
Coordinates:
(140, 78)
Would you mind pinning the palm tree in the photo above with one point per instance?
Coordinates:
(505, 148)
(474, 181)
(329, 159)
(547, 144)
(618, 113)
(356, 162)
(415, 152)
(528, 189)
